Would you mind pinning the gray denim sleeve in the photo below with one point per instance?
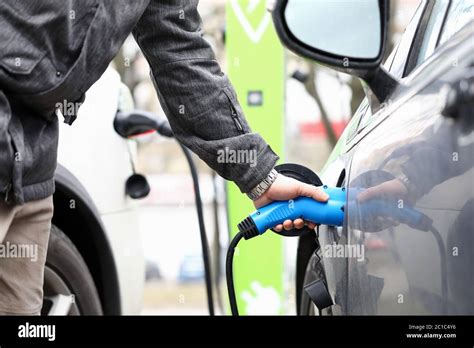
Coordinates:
(6, 148)
(197, 97)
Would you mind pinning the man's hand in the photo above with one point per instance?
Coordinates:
(285, 188)
(389, 189)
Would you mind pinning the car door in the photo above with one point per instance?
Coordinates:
(335, 269)
(409, 216)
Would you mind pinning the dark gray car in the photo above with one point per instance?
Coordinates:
(406, 157)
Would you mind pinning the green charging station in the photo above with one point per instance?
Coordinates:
(256, 67)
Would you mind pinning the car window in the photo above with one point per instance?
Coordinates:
(395, 64)
(460, 13)
(432, 30)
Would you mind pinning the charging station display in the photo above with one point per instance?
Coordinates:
(256, 67)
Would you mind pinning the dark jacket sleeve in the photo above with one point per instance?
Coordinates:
(6, 148)
(435, 159)
(197, 97)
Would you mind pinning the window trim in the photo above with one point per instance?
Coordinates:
(414, 52)
(440, 34)
(403, 52)
(413, 56)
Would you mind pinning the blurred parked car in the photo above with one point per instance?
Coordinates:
(95, 263)
(152, 271)
(191, 269)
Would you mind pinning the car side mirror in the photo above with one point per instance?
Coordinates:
(130, 124)
(138, 122)
(347, 35)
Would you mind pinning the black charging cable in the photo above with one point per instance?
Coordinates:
(136, 122)
(202, 230)
(163, 128)
(230, 274)
(247, 230)
(443, 269)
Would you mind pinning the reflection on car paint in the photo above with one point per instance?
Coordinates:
(418, 177)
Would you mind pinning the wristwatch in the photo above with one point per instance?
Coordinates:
(260, 189)
(406, 182)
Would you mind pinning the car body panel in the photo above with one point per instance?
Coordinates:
(406, 270)
(101, 161)
(409, 261)
(92, 150)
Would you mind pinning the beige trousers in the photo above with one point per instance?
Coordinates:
(24, 235)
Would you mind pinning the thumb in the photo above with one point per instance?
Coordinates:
(313, 192)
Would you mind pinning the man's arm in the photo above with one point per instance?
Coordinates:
(197, 97)
(202, 106)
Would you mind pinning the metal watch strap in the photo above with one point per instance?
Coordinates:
(404, 180)
(260, 189)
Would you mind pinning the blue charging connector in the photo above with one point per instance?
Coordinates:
(325, 213)
(329, 213)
